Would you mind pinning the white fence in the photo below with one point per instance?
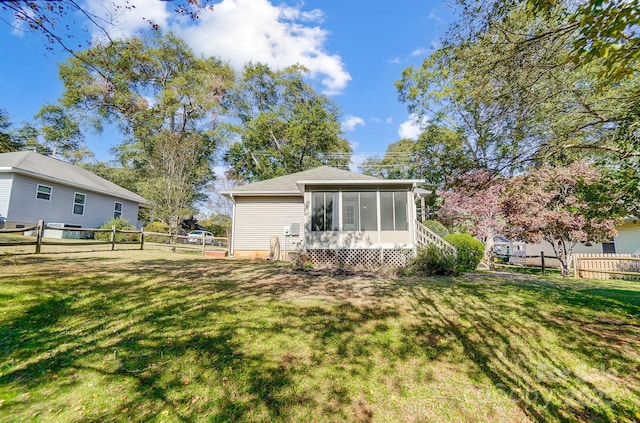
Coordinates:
(606, 266)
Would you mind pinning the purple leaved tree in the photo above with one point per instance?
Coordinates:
(473, 205)
(559, 205)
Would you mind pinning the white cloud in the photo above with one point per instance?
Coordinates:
(123, 18)
(351, 123)
(411, 128)
(436, 18)
(239, 31)
(420, 51)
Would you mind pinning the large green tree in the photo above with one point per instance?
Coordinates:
(438, 154)
(166, 101)
(7, 142)
(505, 78)
(283, 125)
(397, 162)
(60, 131)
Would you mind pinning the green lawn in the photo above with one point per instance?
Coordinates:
(161, 336)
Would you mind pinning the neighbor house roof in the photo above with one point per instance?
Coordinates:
(32, 164)
(295, 183)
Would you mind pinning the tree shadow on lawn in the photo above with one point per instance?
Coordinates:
(194, 339)
(189, 343)
(545, 346)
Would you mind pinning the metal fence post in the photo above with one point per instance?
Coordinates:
(142, 238)
(542, 262)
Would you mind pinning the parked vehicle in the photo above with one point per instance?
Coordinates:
(195, 237)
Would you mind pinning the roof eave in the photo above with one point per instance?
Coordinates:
(140, 201)
(353, 182)
(232, 193)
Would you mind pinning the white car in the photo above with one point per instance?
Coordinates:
(195, 237)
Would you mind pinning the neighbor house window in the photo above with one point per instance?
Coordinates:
(324, 211)
(609, 247)
(359, 211)
(393, 211)
(117, 209)
(43, 192)
(78, 203)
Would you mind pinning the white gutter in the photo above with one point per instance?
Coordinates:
(230, 194)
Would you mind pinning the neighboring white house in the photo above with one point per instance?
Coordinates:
(626, 242)
(333, 215)
(34, 187)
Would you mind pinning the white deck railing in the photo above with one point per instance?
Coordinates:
(425, 236)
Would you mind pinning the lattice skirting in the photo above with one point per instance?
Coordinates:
(362, 257)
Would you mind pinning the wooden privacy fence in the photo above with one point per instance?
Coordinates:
(606, 266)
(115, 237)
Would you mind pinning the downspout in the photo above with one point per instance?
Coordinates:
(233, 227)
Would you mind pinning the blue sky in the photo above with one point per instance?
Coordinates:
(354, 49)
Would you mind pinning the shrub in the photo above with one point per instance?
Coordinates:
(432, 261)
(469, 251)
(159, 227)
(120, 224)
(437, 227)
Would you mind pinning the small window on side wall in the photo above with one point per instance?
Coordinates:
(609, 247)
(78, 203)
(117, 209)
(43, 192)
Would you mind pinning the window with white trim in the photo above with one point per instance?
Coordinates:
(79, 201)
(117, 209)
(43, 192)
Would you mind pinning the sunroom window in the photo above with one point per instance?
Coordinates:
(359, 211)
(324, 211)
(393, 211)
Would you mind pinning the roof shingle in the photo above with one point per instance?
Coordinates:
(43, 167)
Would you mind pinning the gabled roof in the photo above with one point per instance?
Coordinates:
(295, 183)
(29, 163)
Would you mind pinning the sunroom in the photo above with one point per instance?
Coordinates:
(334, 216)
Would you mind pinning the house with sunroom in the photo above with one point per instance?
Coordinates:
(34, 187)
(333, 215)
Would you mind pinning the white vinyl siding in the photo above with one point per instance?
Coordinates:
(25, 207)
(628, 239)
(5, 194)
(257, 219)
